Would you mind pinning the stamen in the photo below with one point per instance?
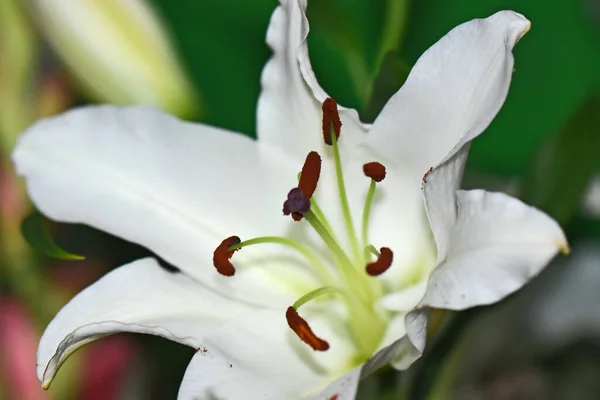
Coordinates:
(375, 171)
(317, 293)
(344, 198)
(371, 249)
(311, 170)
(223, 254)
(331, 120)
(311, 257)
(302, 329)
(382, 264)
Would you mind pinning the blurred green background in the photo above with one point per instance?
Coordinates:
(202, 59)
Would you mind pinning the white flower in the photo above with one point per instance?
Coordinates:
(181, 189)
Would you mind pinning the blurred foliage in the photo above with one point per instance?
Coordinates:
(565, 164)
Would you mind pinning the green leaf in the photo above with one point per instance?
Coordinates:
(565, 163)
(36, 233)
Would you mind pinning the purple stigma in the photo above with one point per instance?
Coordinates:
(296, 202)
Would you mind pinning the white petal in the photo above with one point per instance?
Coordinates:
(400, 354)
(176, 188)
(496, 246)
(404, 299)
(394, 331)
(453, 92)
(344, 388)
(439, 193)
(257, 356)
(139, 297)
(289, 107)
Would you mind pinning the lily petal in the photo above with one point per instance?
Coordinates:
(289, 107)
(400, 354)
(256, 356)
(343, 388)
(404, 300)
(139, 297)
(152, 179)
(496, 246)
(453, 92)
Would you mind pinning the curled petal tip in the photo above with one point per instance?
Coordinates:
(564, 248)
(516, 25)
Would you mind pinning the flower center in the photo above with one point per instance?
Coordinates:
(350, 276)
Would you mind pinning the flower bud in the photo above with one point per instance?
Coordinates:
(118, 52)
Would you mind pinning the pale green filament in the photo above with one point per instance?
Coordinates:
(371, 249)
(344, 200)
(312, 258)
(366, 214)
(317, 293)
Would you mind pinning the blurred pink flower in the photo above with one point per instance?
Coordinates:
(18, 343)
(105, 367)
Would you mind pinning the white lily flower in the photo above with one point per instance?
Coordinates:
(180, 189)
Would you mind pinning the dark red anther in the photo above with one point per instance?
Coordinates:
(375, 171)
(331, 120)
(382, 264)
(222, 255)
(302, 329)
(311, 171)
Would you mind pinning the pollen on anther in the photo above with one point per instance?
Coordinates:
(222, 255)
(311, 171)
(331, 120)
(383, 263)
(375, 171)
(302, 329)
